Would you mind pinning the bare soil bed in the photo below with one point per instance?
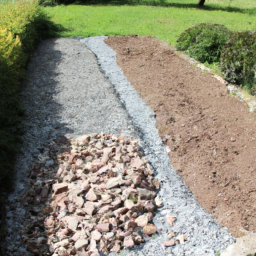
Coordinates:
(211, 134)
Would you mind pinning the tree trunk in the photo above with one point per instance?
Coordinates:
(201, 2)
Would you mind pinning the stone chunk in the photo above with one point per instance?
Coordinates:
(145, 194)
(91, 196)
(128, 241)
(113, 182)
(81, 243)
(142, 221)
(89, 208)
(72, 222)
(149, 229)
(136, 163)
(168, 243)
(104, 227)
(59, 188)
(158, 202)
(128, 204)
(96, 235)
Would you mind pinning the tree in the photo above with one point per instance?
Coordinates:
(201, 2)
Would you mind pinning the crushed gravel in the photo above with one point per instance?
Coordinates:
(66, 95)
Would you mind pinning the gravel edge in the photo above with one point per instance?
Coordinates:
(204, 235)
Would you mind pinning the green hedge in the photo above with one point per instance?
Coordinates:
(204, 41)
(22, 26)
(238, 60)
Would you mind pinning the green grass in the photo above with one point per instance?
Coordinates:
(166, 23)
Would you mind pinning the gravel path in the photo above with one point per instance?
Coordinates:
(67, 95)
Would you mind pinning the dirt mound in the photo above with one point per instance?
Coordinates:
(211, 135)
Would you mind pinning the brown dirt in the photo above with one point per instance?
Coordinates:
(211, 134)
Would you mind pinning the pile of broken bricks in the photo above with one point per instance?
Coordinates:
(102, 199)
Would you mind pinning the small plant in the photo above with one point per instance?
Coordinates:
(204, 41)
(238, 60)
(153, 237)
(133, 199)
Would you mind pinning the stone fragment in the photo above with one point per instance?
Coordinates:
(128, 204)
(60, 170)
(105, 197)
(109, 235)
(136, 163)
(181, 239)
(128, 241)
(62, 251)
(81, 243)
(149, 229)
(120, 211)
(89, 208)
(103, 227)
(156, 183)
(171, 235)
(85, 185)
(168, 243)
(145, 194)
(76, 236)
(103, 169)
(49, 222)
(105, 208)
(96, 235)
(171, 219)
(62, 232)
(93, 245)
(72, 222)
(142, 221)
(158, 202)
(91, 196)
(130, 224)
(136, 179)
(83, 254)
(97, 164)
(59, 187)
(82, 140)
(113, 182)
(149, 206)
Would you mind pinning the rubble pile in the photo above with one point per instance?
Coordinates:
(101, 199)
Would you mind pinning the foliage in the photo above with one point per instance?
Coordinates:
(238, 59)
(22, 25)
(204, 41)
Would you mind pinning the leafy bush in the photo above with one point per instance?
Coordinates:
(55, 2)
(22, 25)
(204, 41)
(238, 59)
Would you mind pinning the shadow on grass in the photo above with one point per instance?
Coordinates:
(162, 3)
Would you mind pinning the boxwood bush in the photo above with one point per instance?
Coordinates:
(238, 60)
(22, 26)
(204, 41)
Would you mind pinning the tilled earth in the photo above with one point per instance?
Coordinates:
(211, 135)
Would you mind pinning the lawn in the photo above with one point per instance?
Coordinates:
(164, 20)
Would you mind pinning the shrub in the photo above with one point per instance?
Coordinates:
(238, 59)
(22, 25)
(204, 41)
